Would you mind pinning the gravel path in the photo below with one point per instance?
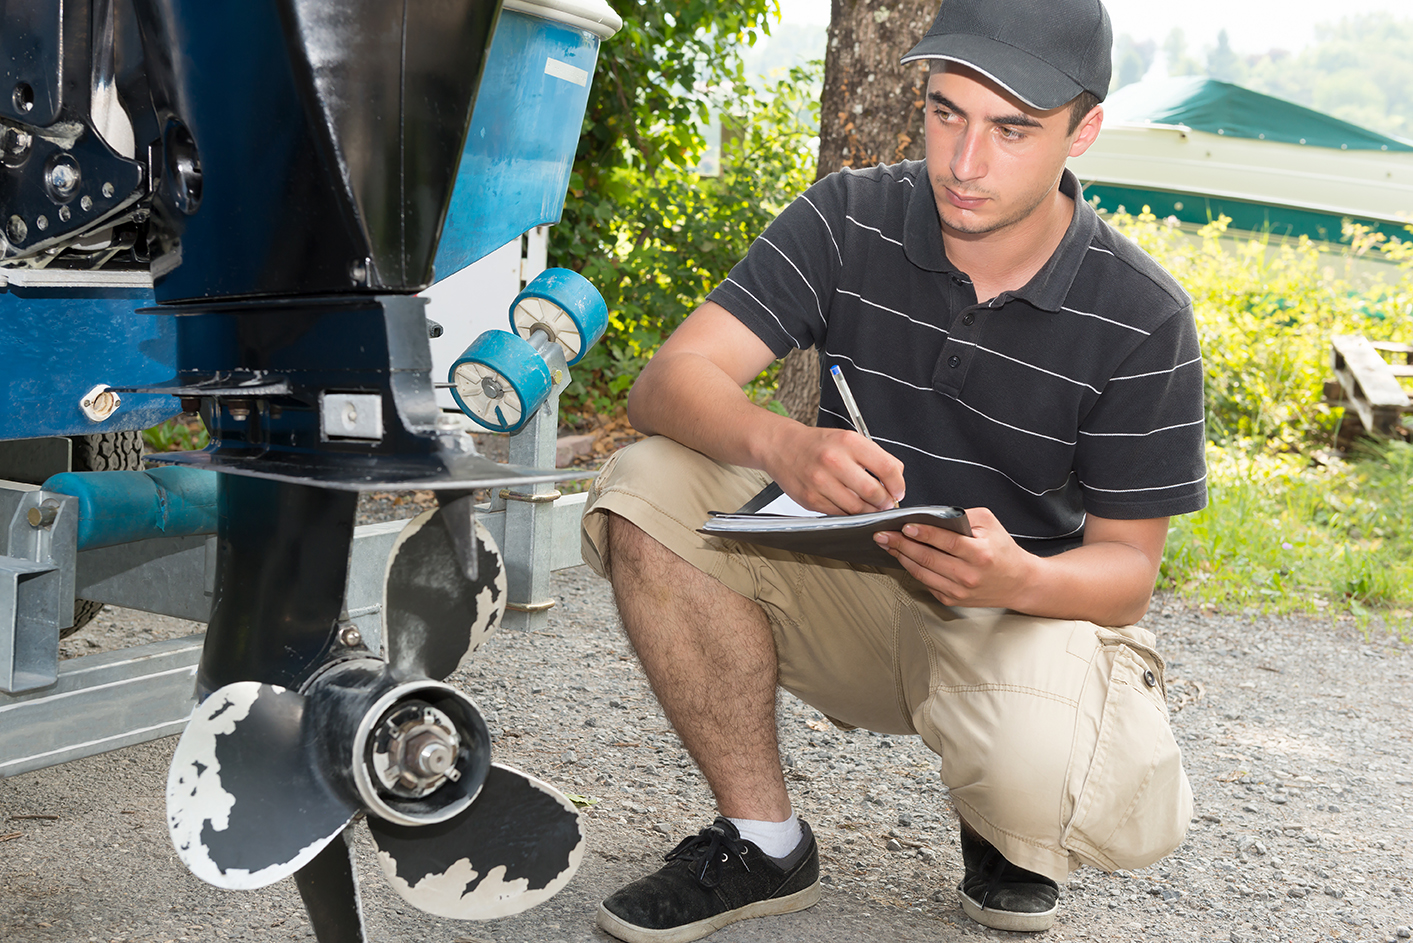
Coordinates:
(1295, 731)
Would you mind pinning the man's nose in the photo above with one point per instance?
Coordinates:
(969, 158)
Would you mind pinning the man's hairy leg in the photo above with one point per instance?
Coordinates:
(710, 657)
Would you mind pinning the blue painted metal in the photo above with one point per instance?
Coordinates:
(120, 507)
(524, 129)
(57, 344)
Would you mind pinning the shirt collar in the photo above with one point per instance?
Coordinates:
(1047, 290)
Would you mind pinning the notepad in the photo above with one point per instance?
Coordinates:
(772, 519)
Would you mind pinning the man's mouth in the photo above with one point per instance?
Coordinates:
(961, 201)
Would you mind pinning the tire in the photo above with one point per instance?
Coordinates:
(106, 451)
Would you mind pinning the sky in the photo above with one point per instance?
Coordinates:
(1253, 26)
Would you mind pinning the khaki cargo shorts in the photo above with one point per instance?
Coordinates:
(1053, 734)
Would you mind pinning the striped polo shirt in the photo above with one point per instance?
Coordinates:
(1078, 393)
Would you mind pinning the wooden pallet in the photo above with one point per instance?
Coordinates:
(1370, 387)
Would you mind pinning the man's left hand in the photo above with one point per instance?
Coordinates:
(986, 569)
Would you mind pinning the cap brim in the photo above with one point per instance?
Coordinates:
(1033, 81)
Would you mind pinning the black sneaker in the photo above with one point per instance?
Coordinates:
(712, 879)
(1000, 895)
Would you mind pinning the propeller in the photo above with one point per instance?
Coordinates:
(444, 593)
(265, 780)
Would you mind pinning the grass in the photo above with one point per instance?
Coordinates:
(1280, 534)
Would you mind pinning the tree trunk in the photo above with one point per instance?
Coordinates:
(870, 113)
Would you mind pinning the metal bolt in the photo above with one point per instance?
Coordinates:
(17, 229)
(43, 515)
(429, 754)
(64, 214)
(16, 144)
(492, 388)
(63, 178)
(108, 190)
(350, 415)
(42, 223)
(86, 202)
(350, 637)
(239, 409)
(358, 271)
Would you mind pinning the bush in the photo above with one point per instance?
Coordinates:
(678, 234)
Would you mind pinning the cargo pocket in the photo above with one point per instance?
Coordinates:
(1131, 799)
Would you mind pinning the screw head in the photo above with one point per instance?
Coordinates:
(350, 637)
(64, 178)
(17, 229)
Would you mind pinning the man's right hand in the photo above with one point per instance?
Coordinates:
(691, 392)
(834, 471)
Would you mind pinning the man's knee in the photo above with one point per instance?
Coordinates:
(1055, 786)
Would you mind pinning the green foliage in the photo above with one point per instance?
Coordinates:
(652, 93)
(647, 104)
(176, 435)
(674, 235)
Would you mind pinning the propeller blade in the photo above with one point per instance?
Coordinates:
(246, 801)
(329, 887)
(515, 847)
(434, 614)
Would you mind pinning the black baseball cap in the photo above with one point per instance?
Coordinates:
(1044, 52)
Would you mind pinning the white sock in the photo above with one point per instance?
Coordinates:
(776, 839)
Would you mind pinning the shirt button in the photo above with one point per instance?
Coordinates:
(954, 361)
(968, 319)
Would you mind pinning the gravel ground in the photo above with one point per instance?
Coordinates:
(1295, 734)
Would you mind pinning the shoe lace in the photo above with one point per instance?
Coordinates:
(707, 851)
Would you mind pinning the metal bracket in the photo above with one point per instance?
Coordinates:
(36, 583)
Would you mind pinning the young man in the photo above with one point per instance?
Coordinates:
(1011, 354)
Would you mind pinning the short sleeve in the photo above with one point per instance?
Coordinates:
(1141, 449)
(782, 289)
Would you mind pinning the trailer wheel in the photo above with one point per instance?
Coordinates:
(106, 451)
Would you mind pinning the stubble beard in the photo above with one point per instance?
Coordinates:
(979, 228)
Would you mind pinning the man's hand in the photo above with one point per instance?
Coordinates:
(834, 471)
(986, 569)
(1108, 580)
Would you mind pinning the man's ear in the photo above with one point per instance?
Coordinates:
(1087, 131)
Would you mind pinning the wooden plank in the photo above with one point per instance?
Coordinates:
(1369, 383)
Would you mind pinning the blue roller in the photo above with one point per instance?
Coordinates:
(120, 507)
(500, 381)
(566, 306)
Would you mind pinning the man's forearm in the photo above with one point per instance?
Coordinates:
(691, 400)
(1107, 583)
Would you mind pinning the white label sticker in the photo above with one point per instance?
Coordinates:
(563, 70)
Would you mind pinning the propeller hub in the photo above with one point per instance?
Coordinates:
(415, 748)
